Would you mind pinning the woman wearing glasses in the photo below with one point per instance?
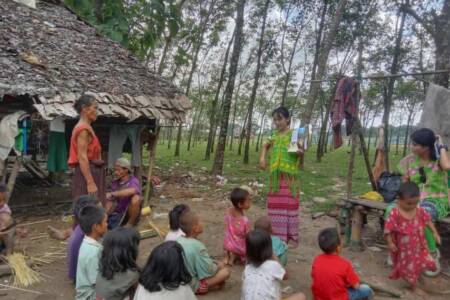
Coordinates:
(428, 167)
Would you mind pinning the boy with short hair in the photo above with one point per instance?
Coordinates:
(94, 223)
(7, 225)
(206, 273)
(333, 276)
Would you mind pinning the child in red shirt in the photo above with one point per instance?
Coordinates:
(333, 276)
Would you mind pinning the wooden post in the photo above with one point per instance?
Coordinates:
(357, 220)
(351, 165)
(366, 155)
(153, 141)
(12, 178)
(3, 169)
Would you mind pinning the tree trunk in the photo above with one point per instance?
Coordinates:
(398, 140)
(242, 134)
(258, 142)
(234, 120)
(390, 88)
(321, 146)
(289, 70)
(439, 29)
(170, 137)
(213, 116)
(319, 40)
(178, 144)
(322, 62)
(408, 124)
(194, 125)
(194, 67)
(237, 47)
(255, 85)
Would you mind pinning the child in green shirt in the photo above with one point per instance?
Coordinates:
(206, 273)
(94, 223)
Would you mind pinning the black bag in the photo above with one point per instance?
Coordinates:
(389, 185)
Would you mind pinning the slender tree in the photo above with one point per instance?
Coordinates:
(237, 48)
(255, 83)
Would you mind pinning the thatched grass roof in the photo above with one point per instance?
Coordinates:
(52, 56)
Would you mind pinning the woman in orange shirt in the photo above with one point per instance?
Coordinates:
(85, 152)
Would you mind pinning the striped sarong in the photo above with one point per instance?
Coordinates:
(283, 210)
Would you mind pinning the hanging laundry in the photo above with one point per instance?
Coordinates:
(21, 144)
(344, 107)
(57, 147)
(118, 136)
(9, 130)
(436, 111)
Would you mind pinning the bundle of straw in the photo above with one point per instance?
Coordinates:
(24, 276)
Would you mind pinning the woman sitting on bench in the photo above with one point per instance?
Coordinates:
(427, 166)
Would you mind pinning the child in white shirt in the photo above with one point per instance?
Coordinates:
(263, 273)
(174, 222)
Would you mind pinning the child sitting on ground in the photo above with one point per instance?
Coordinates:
(118, 272)
(94, 223)
(77, 235)
(405, 234)
(278, 246)
(333, 276)
(174, 222)
(7, 225)
(236, 225)
(263, 274)
(206, 274)
(165, 276)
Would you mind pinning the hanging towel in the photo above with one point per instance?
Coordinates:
(9, 129)
(344, 107)
(436, 111)
(118, 136)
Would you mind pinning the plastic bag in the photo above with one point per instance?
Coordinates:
(389, 185)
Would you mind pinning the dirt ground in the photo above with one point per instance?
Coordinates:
(211, 203)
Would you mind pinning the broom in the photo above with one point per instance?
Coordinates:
(24, 276)
(145, 212)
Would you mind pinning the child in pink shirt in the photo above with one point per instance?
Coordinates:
(236, 226)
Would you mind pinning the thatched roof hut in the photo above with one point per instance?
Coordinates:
(49, 57)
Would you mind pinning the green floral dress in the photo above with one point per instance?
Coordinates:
(435, 189)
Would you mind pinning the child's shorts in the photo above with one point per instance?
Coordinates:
(202, 287)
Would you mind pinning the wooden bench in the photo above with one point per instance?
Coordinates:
(352, 216)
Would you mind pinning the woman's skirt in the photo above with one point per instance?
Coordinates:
(79, 186)
(283, 210)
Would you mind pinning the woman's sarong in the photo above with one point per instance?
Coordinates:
(79, 186)
(283, 211)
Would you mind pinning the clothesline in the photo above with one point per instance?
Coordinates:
(369, 77)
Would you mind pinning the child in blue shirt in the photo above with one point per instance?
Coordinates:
(279, 247)
(94, 223)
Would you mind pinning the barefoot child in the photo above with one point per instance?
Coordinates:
(174, 222)
(165, 276)
(333, 276)
(118, 272)
(278, 246)
(94, 223)
(77, 235)
(236, 225)
(404, 232)
(206, 274)
(263, 274)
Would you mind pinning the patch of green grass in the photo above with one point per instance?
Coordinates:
(325, 179)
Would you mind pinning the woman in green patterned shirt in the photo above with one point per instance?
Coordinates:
(429, 172)
(284, 189)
